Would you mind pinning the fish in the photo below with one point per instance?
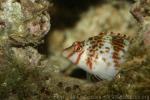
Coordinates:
(100, 55)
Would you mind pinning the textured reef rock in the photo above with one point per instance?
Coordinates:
(23, 25)
(27, 55)
(141, 11)
(24, 22)
(134, 77)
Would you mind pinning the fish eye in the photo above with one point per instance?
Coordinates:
(77, 46)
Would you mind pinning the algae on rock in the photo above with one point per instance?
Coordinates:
(22, 24)
(10, 18)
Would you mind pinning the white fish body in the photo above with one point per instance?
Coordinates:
(100, 55)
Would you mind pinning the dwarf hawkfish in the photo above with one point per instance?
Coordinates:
(99, 55)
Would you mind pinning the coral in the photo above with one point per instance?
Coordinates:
(141, 11)
(24, 24)
(11, 16)
(27, 55)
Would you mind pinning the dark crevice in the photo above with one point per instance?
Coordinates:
(66, 13)
(42, 48)
(81, 74)
(78, 73)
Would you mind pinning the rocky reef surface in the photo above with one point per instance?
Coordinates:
(31, 64)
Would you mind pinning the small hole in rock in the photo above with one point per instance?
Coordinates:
(68, 89)
(75, 87)
(60, 84)
(81, 74)
(78, 73)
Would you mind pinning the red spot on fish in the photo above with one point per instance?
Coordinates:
(115, 56)
(117, 43)
(89, 63)
(78, 58)
(118, 46)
